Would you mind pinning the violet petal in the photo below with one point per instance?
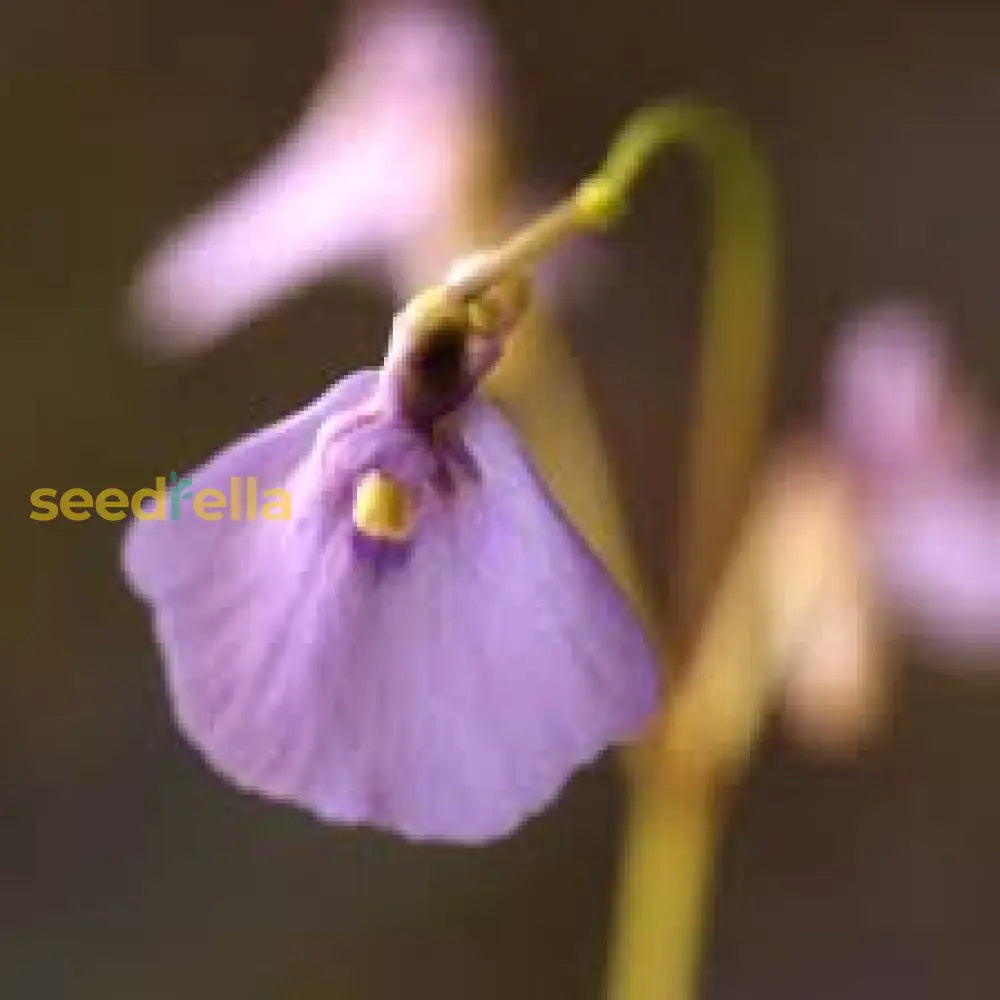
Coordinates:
(445, 695)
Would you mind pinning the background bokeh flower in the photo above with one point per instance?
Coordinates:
(384, 159)
(925, 462)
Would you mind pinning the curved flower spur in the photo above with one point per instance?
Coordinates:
(426, 645)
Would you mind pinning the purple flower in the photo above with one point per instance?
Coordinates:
(931, 499)
(383, 160)
(442, 681)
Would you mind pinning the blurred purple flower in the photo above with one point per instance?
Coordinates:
(380, 161)
(930, 498)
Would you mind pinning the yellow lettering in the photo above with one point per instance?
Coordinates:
(209, 504)
(75, 505)
(283, 503)
(158, 495)
(252, 498)
(45, 508)
(111, 504)
(235, 498)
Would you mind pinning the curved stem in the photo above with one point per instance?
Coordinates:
(736, 348)
(669, 843)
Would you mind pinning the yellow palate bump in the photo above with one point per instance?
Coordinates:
(383, 508)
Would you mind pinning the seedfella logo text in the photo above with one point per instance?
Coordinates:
(245, 502)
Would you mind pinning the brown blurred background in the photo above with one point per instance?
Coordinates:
(126, 870)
